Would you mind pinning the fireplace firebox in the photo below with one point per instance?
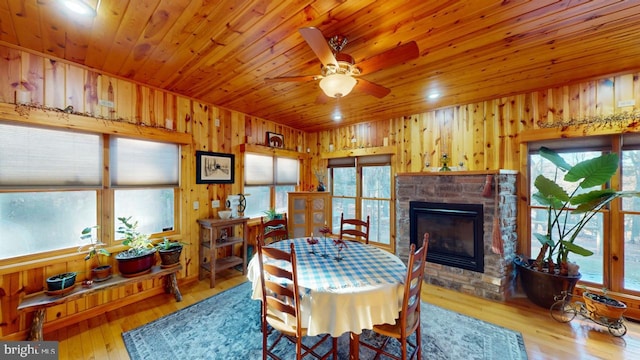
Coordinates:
(456, 233)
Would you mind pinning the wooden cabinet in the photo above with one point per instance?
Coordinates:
(308, 212)
(218, 238)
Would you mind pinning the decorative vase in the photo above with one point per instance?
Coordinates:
(321, 186)
(541, 287)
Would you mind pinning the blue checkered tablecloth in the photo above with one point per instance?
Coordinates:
(361, 265)
(363, 289)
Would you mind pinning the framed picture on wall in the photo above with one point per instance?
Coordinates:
(214, 168)
(275, 140)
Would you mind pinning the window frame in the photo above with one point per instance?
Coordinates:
(104, 193)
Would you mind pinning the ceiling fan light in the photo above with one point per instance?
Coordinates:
(337, 85)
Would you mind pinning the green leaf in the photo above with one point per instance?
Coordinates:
(544, 239)
(576, 249)
(594, 172)
(556, 159)
(550, 190)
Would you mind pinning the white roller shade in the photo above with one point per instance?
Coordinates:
(144, 163)
(32, 157)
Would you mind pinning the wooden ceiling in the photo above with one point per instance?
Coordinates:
(220, 51)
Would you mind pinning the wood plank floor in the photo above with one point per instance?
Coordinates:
(100, 337)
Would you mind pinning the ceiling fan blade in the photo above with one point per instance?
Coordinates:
(372, 89)
(313, 36)
(397, 55)
(292, 78)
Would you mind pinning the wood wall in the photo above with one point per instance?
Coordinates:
(483, 136)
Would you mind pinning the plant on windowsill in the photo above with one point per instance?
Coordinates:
(568, 211)
(139, 256)
(272, 214)
(169, 252)
(601, 305)
(95, 249)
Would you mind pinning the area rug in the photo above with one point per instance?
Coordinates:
(227, 326)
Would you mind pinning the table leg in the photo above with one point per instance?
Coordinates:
(171, 286)
(354, 346)
(35, 334)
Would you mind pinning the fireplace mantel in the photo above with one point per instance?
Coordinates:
(461, 173)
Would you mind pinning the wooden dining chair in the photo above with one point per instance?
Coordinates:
(273, 230)
(408, 322)
(355, 229)
(281, 305)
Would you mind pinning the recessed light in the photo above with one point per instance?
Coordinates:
(81, 7)
(337, 117)
(434, 95)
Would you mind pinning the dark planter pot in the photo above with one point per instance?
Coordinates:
(170, 257)
(101, 273)
(541, 287)
(130, 266)
(61, 281)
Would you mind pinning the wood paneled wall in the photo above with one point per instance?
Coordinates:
(138, 111)
(483, 136)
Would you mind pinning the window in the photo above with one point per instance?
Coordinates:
(601, 234)
(267, 181)
(361, 187)
(590, 237)
(51, 186)
(68, 165)
(630, 212)
(144, 175)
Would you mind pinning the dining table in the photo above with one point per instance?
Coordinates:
(343, 290)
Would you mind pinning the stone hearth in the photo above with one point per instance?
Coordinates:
(464, 187)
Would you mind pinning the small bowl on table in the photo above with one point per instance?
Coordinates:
(224, 214)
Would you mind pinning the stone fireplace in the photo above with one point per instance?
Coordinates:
(437, 198)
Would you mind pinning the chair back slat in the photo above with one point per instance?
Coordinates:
(354, 229)
(273, 230)
(413, 285)
(279, 282)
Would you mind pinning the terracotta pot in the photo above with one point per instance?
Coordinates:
(61, 281)
(101, 273)
(170, 257)
(138, 265)
(541, 287)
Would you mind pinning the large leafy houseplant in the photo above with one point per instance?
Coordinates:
(570, 208)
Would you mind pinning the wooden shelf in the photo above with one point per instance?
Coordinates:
(213, 248)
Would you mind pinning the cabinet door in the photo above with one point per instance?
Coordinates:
(299, 217)
(318, 213)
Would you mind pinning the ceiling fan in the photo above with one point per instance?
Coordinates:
(339, 71)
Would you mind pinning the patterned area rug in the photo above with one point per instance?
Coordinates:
(227, 326)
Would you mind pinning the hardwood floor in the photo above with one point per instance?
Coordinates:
(544, 338)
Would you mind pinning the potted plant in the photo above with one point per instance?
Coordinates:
(603, 306)
(169, 252)
(272, 214)
(569, 209)
(140, 255)
(61, 283)
(95, 249)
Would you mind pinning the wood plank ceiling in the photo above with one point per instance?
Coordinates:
(221, 51)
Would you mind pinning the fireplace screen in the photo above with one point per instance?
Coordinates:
(456, 233)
